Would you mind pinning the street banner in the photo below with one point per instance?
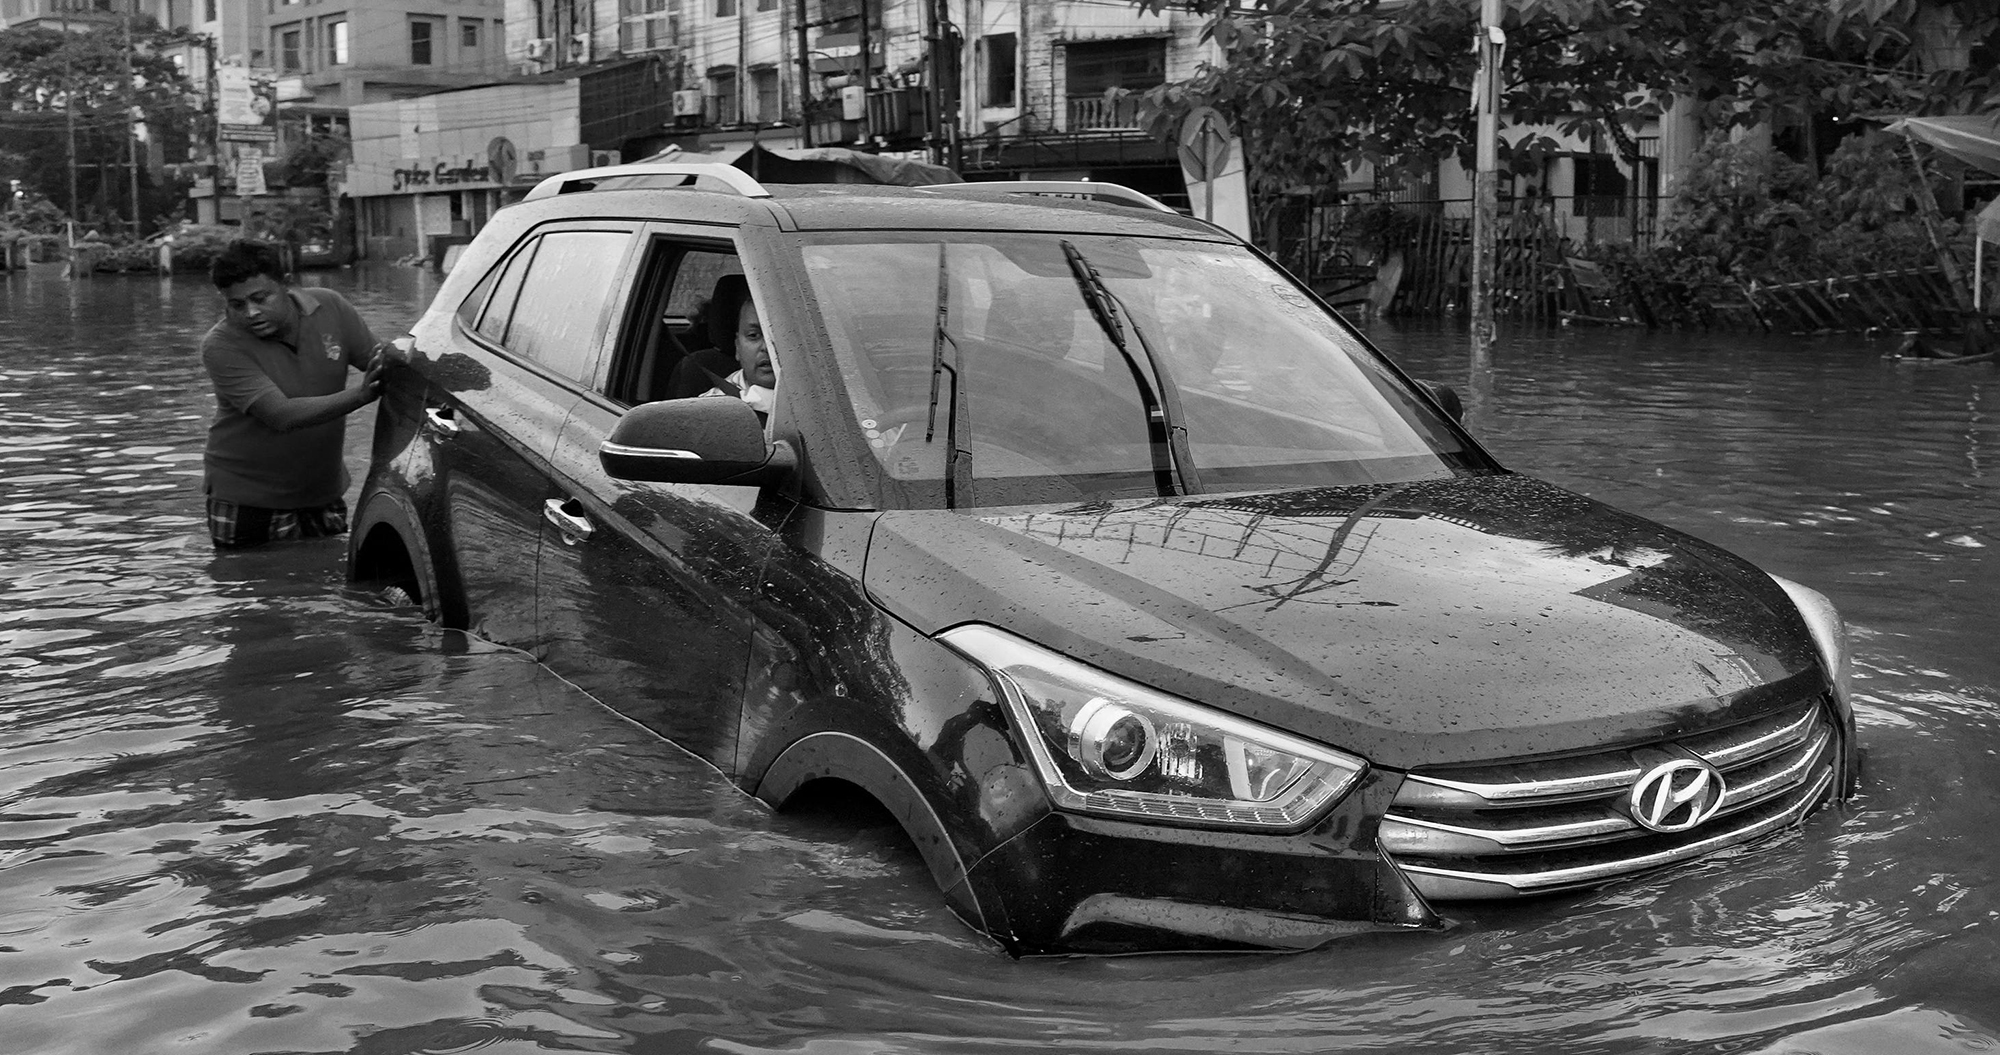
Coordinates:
(246, 105)
(250, 175)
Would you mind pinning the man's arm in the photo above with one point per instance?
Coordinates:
(281, 413)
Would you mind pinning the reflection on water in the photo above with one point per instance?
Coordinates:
(245, 810)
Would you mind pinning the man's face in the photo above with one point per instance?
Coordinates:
(261, 305)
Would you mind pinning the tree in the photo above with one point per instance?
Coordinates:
(1317, 86)
(49, 77)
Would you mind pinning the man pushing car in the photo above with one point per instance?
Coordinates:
(278, 358)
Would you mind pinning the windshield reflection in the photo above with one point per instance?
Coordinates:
(1272, 392)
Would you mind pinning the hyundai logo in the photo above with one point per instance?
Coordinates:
(1678, 795)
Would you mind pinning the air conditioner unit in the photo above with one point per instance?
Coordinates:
(579, 47)
(687, 102)
(538, 49)
(601, 158)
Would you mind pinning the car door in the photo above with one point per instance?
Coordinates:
(645, 591)
(496, 401)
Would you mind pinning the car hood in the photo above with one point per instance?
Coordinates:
(1432, 623)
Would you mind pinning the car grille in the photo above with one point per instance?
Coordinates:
(1512, 830)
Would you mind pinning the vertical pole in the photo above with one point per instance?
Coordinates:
(131, 128)
(867, 79)
(933, 97)
(69, 113)
(1486, 176)
(805, 80)
(214, 134)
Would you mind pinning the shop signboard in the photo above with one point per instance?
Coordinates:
(419, 175)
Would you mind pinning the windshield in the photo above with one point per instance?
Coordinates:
(1035, 401)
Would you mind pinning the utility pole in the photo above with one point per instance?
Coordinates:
(1491, 44)
(867, 78)
(214, 123)
(935, 93)
(69, 114)
(131, 129)
(805, 80)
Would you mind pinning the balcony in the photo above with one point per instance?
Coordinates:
(1095, 113)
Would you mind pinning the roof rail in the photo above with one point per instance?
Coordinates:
(1087, 189)
(588, 179)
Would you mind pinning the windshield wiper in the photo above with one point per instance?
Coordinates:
(1173, 467)
(939, 338)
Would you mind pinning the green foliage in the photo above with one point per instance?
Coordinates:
(1741, 206)
(1748, 214)
(1316, 86)
(53, 83)
(308, 159)
(1669, 287)
(33, 215)
(129, 256)
(290, 220)
(197, 245)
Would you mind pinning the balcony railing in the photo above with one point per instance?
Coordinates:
(1094, 113)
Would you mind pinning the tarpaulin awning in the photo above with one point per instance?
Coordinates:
(818, 165)
(1971, 138)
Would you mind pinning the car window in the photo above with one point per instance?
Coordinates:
(493, 321)
(695, 279)
(665, 350)
(1272, 391)
(563, 294)
(469, 308)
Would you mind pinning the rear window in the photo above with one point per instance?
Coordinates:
(562, 297)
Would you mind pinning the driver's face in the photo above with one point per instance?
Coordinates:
(752, 354)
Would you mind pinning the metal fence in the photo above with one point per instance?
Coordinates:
(1414, 257)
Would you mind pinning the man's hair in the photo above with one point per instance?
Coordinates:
(245, 259)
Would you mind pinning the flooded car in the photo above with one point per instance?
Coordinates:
(1159, 609)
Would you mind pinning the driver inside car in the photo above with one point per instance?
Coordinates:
(734, 325)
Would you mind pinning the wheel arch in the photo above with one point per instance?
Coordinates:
(386, 542)
(848, 758)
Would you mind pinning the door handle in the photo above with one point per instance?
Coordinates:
(443, 419)
(574, 528)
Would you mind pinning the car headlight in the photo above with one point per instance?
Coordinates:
(1829, 634)
(1106, 745)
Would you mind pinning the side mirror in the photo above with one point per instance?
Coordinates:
(712, 440)
(1446, 397)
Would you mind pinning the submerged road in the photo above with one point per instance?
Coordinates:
(243, 809)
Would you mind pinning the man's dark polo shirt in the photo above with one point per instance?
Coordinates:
(251, 464)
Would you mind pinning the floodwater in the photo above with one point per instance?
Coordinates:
(243, 809)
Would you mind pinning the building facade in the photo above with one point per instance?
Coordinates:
(429, 171)
(998, 88)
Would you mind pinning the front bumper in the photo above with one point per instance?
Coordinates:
(1078, 884)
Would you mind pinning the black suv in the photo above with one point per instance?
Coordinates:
(1159, 608)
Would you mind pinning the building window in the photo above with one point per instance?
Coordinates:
(725, 8)
(208, 10)
(997, 52)
(288, 51)
(420, 42)
(722, 98)
(468, 34)
(764, 85)
(336, 43)
(767, 5)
